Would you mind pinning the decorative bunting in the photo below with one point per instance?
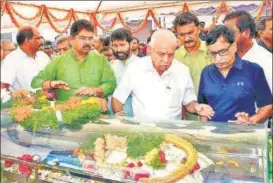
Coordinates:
(44, 11)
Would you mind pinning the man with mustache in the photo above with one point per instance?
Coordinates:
(120, 42)
(20, 66)
(233, 86)
(78, 71)
(159, 84)
(193, 52)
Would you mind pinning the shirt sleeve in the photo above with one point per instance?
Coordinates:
(8, 70)
(108, 80)
(189, 91)
(49, 73)
(125, 86)
(201, 97)
(262, 90)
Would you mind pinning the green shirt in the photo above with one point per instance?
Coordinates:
(93, 71)
(196, 64)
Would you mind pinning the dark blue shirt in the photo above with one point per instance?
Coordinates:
(244, 86)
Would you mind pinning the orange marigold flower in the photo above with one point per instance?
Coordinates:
(20, 94)
(21, 113)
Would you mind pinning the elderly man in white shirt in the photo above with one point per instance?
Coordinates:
(244, 27)
(20, 66)
(159, 84)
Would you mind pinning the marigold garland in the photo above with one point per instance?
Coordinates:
(38, 14)
(71, 15)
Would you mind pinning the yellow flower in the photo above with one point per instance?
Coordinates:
(44, 108)
(42, 97)
(233, 162)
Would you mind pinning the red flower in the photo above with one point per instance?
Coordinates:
(141, 175)
(161, 157)
(8, 163)
(26, 157)
(25, 170)
(127, 174)
(196, 167)
(131, 165)
(139, 164)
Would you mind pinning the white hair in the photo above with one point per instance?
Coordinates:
(162, 33)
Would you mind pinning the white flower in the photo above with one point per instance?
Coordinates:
(5, 95)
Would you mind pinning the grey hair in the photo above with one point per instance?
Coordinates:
(162, 33)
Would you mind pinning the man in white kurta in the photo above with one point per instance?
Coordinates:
(159, 84)
(21, 65)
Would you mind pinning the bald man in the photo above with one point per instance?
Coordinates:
(6, 47)
(159, 84)
(21, 65)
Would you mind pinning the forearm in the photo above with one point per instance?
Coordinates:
(191, 107)
(262, 114)
(117, 106)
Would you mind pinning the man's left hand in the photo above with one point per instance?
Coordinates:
(204, 110)
(85, 91)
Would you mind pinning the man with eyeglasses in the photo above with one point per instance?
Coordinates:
(193, 52)
(231, 85)
(78, 71)
(6, 47)
(20, 66)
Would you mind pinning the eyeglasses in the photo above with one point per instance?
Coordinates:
(83, 38)
(222, 52)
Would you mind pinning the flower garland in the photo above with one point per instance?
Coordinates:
(46, 12)
(71, 15)
(66, 17)
(93, 18)
(38, 14)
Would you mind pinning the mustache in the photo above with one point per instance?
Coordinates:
(86, 46)
(189, 41)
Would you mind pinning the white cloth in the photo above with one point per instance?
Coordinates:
(154, 96)
(262, 57)
(119, 67)
(18, 69)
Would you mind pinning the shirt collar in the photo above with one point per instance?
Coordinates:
(203, 48)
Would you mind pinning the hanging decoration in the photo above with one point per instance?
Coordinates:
(185, 8)
(71, 15)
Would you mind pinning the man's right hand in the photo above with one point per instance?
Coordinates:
(55, 84)
(59, 85)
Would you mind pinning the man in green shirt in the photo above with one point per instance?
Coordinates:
(78, 71)
(194, 53)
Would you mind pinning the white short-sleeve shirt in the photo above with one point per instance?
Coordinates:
(18, 69)
(262, 57)
(154, 96)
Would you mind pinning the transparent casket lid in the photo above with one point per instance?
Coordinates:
(131, 150)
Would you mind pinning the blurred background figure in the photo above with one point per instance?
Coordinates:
(135, 48)
(264, 33)
(62, 44)
(106, 41)
(203, 32)
(97, 43)
(109, 53)
(42, 47)
(6, 47)
(48, 48)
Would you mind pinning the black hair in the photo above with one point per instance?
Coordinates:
(245, 21)
(218, 31)
(121, 34)
(261, 23)
(105, 48)
(79, 25)
(136, 39)
(185, 19)
(23, 34)
(106, 41)
(149, 39)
